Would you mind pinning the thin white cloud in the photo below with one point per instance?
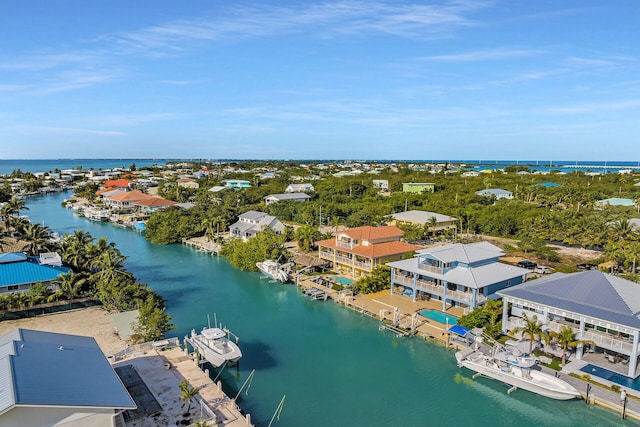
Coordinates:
(327, 20)
(484, 55)
(71, 131)
(632, 104)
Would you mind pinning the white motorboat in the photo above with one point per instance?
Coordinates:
(516, 371)
(274, 270)
(215, 346)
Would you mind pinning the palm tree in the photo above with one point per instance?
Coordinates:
(306, 236)
(18, 204)
(109, 265)
(37, 237)
(70, 285)
(622, 229)
(188, 392)
(567, 339)
(532, 329)
(7, 212)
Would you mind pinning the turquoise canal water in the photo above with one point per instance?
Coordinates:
(334, 365)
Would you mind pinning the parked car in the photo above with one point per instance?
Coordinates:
(587, 266)
(542, 269)
(525, 263)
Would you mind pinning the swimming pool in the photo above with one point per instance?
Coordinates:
(614, 377)
(342, 280)
(439, 316)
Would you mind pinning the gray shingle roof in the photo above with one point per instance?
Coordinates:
(591, 293)
(467, 253)
(50, 369)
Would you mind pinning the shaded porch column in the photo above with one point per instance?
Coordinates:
(444, 295)
(580, 348)
(415, 286)
(633, 359)
(393, 278)
(474, 292)
(505, 315)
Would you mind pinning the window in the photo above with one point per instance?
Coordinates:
(13, 287)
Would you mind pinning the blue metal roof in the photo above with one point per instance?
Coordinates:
(12, 257)
(591, 293)
(61, 370)
(28, 271)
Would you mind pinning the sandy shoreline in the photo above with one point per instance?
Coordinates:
(93, 322)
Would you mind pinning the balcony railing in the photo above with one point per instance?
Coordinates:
(601, 339)
(346, 245)
(434, 289)
(363, 265)
(430, 268)
(326, 254)
(343, 259)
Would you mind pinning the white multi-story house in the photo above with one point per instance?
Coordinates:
(252, 222)
(457, 274)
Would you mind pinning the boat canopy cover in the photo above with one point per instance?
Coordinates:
(213, 333)
(459, 330)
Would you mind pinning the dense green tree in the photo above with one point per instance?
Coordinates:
(152, 322)
(307, 236)
(378, 280)
(265, 245)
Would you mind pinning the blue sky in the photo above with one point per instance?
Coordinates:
(465, 79)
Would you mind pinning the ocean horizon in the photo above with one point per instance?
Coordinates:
(7, 166)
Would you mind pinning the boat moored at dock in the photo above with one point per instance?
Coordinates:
(215, 346)
(275, 271)
(515, 370)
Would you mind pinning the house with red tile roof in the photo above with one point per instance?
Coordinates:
(119, 184)
(357, 251)
(126, 199)
(153, 204)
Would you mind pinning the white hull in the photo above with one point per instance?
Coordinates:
(216, 350)
(273, 270)
(531, 380)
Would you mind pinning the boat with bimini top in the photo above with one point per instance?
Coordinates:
(215, 346)
(499, 363)
(274, 270)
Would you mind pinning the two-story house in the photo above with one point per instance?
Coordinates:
(457, 274)
(295, 197)
(299, 188)
(252, 222)
(357, 251)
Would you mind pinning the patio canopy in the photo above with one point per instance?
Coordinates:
(459, 330)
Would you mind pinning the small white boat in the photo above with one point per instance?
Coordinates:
(516, 371)
(215, 346)
(274, 270)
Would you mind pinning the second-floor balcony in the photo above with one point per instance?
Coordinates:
(601, 339)
(343, 259)
(326, 254)
(343, 244)
(363, 265)
(434, 289)
(430, 268)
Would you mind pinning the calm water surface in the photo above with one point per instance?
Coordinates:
(334, 365)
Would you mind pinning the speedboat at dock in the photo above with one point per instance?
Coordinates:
(215, 346)
(274, 270)
(515, 370)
